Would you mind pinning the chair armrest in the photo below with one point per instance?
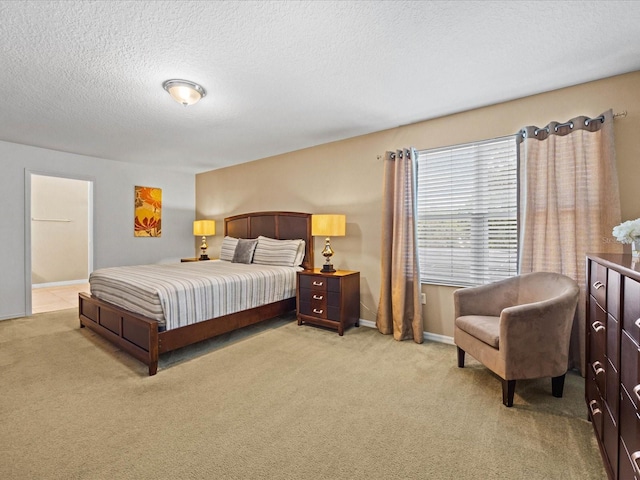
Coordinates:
(538, 330)
(487, 300)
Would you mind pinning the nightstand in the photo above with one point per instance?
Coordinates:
(328, 299)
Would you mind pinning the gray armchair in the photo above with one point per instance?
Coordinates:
(519, 328)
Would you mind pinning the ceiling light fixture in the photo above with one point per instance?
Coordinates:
(184, 91)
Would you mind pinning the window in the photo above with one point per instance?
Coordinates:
(467, 213)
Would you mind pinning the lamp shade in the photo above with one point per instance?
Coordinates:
(204, 228)
(328, 225)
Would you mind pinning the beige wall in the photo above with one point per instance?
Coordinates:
(346, 176)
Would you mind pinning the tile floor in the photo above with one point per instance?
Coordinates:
(48, 299)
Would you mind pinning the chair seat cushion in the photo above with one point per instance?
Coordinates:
(484, 328)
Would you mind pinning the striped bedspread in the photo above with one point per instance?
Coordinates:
(181, 294)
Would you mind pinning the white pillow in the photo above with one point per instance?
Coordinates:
(228, 248)
(300, 254)
(270, 251)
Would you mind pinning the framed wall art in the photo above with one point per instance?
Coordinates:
(148, 212)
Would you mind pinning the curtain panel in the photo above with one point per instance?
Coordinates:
(400, 310)
(569, 203)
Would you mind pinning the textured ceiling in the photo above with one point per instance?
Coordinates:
(86, 76)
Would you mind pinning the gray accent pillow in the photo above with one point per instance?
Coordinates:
(244, 250)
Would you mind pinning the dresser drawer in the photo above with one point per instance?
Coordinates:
(612, 389)
(631, 314)
(610, 441)
(613, 293)
(599, 375)
(594, 402)
(613, 341)
(629, 433)
(627, 469)
(630, 359)
(597, 332)
(598, 286)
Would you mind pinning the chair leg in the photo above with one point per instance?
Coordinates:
(508, 390)
(460, 357)
(557, 386)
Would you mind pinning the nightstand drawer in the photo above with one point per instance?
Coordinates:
(313, 309)
(318, 296)
(314, 283)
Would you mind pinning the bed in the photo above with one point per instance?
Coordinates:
(145, 339)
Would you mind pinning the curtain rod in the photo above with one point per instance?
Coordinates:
(570, 124)
(621, 114)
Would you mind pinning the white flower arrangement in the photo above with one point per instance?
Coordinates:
(627, 231)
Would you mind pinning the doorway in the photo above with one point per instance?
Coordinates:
(60, 240)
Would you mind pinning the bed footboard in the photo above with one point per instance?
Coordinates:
(139, 336)
(133, 333)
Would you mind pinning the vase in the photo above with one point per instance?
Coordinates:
(635, 247)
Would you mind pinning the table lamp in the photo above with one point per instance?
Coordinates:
(328, 226)
(204, 228)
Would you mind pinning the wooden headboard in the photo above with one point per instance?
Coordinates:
(280, 225)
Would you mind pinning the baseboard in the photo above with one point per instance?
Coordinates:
(60, 284)
(367, 323)
(433, 337)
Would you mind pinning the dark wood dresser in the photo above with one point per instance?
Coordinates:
(612, 377)
(329, 299)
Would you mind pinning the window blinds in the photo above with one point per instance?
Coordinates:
(467, 213)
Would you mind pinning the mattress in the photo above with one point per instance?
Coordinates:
(181, 294)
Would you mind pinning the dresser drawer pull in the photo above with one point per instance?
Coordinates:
(598, 285)
(597, 326)
(317, 311)
(318, 283)
(634, 461)
(318, 297)
(593, 406)
(597, 368)
(636, 391)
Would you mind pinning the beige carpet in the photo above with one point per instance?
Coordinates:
(275, 401)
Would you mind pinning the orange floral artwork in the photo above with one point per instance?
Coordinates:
(148, 218)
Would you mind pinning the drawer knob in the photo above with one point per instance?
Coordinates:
(597, 326)
(317, 311)
(318, 297)
(636, 391)
(598, 285)
(597, 368)
(634, 461)
(317, 283)
(593, 406)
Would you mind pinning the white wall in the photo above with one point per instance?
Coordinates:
(114, 243)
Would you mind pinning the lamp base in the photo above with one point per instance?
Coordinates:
(328, 268)
(204, 256)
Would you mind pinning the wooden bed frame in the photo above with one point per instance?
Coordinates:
(139, 336)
